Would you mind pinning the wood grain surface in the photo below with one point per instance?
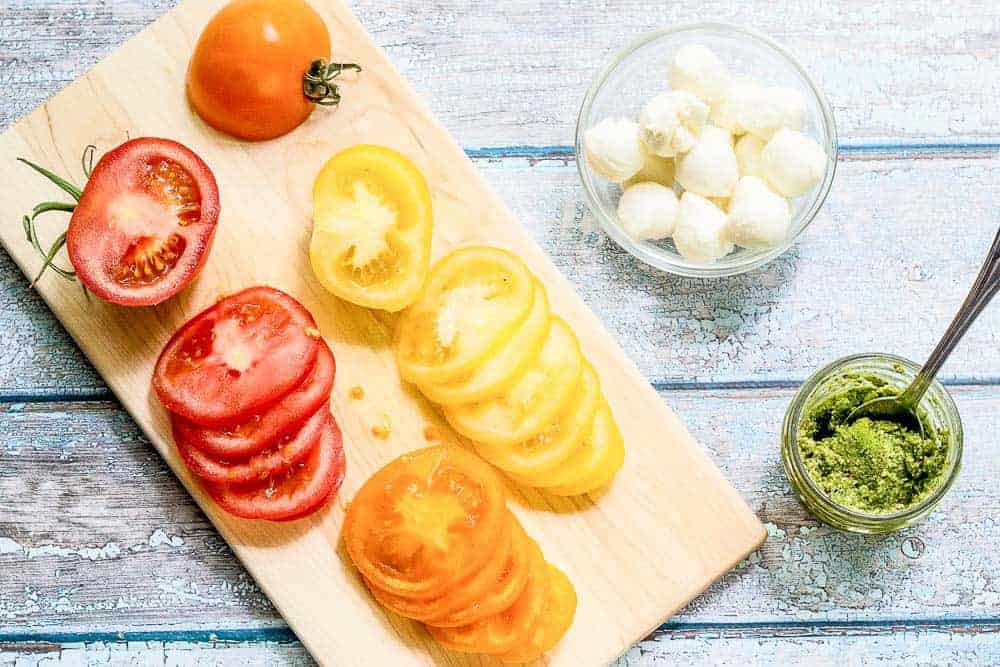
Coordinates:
(662, 533)
(914, 86)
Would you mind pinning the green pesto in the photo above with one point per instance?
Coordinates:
(872, 466)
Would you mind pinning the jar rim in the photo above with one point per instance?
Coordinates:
(904, 516)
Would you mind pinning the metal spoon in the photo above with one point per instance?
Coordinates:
(903, 407)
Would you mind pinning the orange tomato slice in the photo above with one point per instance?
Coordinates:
(474, 300)
(503, 591)
(503, 367)
(539, 396)
(558, 616)
(503, 632)
(463, 594)
(537, 456)
(425, 521)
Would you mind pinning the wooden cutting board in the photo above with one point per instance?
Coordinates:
(667, 528)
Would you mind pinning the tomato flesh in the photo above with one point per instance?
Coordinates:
(236, 358)
(260, 468)
(145, 223)
(302, 490)
(246, 438)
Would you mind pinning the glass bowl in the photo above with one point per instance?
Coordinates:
(941, 412)
(640, 72)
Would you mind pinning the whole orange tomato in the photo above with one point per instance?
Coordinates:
(260, 68)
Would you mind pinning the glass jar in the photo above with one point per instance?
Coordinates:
(940, 409)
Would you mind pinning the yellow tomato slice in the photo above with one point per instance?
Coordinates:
(595, 464)
(372, 224)
(560, 608)
(503, 367)
(544, 452)
(474, 300)
(539, 396)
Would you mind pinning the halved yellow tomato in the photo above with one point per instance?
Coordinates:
(594, 465)
(425, 521)
(373, 220)
(505, 631)
(503, 367)
(560, 609)
(544, 452)
(474, 300)
(505, 589)
(539, 396)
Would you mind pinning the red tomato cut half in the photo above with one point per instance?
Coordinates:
(260, 468)
(239, 441)
(237, 358)
(302, 491)
(145, 223)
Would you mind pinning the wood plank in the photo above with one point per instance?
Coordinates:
(925, 219)
(908, 72)
(132, 553)
(617, 565)
(966, 645)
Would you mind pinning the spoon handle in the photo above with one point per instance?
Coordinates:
(982, 292)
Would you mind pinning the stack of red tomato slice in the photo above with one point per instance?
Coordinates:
(248, 384)
(434, 541)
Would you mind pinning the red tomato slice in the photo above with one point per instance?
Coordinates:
(145, 222)
(237, 358)
(240, 441)
(262, 467)
(303, 490)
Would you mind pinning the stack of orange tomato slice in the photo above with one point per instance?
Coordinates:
(433, 538)
(510, 377)
(248, 383)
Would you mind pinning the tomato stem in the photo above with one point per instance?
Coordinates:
(318, 84)
(28, 222)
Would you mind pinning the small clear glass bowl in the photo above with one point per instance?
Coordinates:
(940, 409)
(640, 72)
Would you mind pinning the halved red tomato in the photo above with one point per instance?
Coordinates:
(303, 489)
(244, 439)
(238, 357)
(145, 222)
(269, 464)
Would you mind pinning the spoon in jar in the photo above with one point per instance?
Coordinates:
(902, 408)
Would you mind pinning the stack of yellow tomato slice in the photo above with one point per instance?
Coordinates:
(509, 376)
(433, 538)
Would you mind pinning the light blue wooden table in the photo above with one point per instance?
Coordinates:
(105, 560)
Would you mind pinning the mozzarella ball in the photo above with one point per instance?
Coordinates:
(613, 149)
(648, 211)
(748, 150)
(771, 109)
(671, 122)
(697, 70)
(709, 169)
(726, 113)
(758, 216)
(702, 230)
(792, 163)
(655, 169)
